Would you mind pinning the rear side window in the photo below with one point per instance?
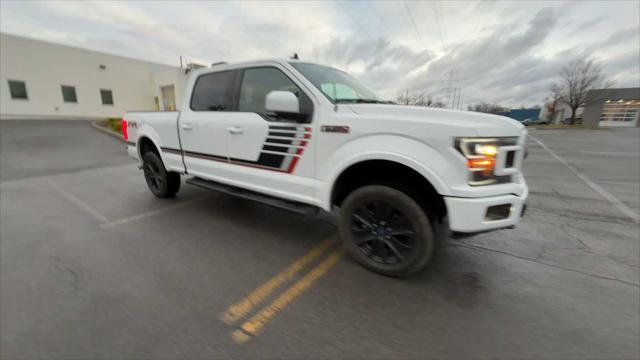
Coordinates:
(212, 92)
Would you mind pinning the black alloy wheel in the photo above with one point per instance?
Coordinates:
(161, 182)
(386, 230)
(155, 179)
(382, 232)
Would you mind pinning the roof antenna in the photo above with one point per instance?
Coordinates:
(295, 56)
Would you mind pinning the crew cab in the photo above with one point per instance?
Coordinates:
(308, 137)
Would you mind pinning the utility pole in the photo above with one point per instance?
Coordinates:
(452, 89)
(448, 87)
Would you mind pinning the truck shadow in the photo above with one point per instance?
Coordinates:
(454, 273)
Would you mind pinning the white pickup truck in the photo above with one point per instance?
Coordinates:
(305, 137)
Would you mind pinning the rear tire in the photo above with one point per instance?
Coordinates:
(162, 183)
(386, 231)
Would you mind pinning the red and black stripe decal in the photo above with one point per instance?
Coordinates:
(281, 151)
(171, 151)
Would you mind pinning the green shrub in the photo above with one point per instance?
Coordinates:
(115, 124)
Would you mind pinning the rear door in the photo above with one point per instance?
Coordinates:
(203, 123)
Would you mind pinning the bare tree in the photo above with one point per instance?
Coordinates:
(485, 107)
(405, 98)
(576, 79)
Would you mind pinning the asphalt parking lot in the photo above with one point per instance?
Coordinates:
(93, 266)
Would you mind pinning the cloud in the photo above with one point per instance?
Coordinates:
(505, 52)
(376, 62)
(589, 24)
(491, 65)
(622, 37)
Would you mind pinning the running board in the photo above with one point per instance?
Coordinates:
(294, 206)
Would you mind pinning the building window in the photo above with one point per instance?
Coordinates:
(69, 94)
(18, 89)
(620, 110)
(107, 97)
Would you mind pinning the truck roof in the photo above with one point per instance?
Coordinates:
(229, 66)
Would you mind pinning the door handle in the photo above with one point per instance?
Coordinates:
(186, 127)
(236, 130)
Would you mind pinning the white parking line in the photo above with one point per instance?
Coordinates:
(79, 203)
(604, 193)
(147, 214)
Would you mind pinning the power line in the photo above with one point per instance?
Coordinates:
(355, 21)
(454, 88)
(378, 16)
(435, 10)
(415, 28)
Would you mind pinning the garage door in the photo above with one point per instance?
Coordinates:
(620, 113)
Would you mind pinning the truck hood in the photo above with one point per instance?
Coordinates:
(486, 125)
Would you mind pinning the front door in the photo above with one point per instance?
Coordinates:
(203, 124)
(268, 148)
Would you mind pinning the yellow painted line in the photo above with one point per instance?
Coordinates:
(256, 324)
(240, 309)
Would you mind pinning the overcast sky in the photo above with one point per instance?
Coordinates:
(504, 52)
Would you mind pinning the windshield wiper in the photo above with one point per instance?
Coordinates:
(362, 101)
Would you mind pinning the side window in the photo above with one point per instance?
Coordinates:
(211, 92)
(18, 90)
(258, 82)
(69, 93)
(106, 96)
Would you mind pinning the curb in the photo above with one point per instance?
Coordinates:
(96, 125)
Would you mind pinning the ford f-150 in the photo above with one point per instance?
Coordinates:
(304, 137)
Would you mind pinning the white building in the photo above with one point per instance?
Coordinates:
(562, 113)
(42, 80)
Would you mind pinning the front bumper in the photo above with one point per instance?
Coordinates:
(133, 152)
(470, 214)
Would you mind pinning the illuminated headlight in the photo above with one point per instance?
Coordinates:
(485, 149)
(481, 157)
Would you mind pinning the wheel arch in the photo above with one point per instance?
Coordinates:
(397, 174)
(146, 144)
(147, 141)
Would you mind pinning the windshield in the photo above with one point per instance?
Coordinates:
(336, 85)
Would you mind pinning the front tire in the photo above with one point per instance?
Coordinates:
(386, 231)
(162, 183)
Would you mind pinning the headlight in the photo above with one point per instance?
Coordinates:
(481, 157)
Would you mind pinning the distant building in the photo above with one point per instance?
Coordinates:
(605, 107)
(559, 113)
(522, 114)
(45, 80)
(612, 107)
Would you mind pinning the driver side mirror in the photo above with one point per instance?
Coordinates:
(282, 102)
